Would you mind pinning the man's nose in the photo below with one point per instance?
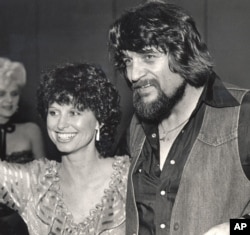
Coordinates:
(136, 72)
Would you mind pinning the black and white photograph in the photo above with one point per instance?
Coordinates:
(124, 117)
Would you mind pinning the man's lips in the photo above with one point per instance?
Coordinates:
(141, 86)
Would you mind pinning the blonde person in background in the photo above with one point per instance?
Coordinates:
(19, 142)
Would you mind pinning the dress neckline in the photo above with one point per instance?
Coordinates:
(51, 204)
(98, 207)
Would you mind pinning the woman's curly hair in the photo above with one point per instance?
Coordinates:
(86, 87)
(167, 28)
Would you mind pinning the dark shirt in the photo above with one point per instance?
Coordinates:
(155, 189)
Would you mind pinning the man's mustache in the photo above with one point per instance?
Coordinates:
(145, 83)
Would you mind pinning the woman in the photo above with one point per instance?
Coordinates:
(85, 192)
(20, 142)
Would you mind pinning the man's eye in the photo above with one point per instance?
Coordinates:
(150, 57)
(127, 61)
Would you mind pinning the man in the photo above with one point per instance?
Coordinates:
(188, 137)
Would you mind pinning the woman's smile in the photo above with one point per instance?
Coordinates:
(65, 137)
(70, 129)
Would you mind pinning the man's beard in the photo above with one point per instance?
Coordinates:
(160, 108)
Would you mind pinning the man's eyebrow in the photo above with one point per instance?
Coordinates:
(149, 50)
(124, 56)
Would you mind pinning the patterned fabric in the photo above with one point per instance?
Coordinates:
(10, 222)
(33, 189)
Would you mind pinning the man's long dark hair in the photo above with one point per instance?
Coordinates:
(169, 29)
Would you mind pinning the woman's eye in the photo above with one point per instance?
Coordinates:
(14, 93)
(52, 113)
(75, 113)
(2, 93)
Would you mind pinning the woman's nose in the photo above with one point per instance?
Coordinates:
(8, 98)
(62, 123)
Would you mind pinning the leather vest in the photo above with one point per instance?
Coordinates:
(213, 186)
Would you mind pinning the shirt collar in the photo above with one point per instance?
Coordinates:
(216, 95)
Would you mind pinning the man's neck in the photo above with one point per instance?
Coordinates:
(170, 127)
(184, 109)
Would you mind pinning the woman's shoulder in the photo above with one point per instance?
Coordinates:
(38, 165)
(116, 163)
(45, 166)
(36, 169)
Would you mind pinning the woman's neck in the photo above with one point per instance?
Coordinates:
(79, 166)
(3, 120)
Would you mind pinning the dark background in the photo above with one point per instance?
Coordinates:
(43, 33)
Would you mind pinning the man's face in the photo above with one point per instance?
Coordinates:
(156, 89)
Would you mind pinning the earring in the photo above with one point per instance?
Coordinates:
(97, 136)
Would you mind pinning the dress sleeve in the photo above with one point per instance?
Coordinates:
(15, 184)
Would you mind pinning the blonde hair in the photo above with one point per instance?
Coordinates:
(12, 71)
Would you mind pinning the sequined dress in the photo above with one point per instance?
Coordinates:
(34, 190)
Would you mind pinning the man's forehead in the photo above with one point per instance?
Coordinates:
(144, 50)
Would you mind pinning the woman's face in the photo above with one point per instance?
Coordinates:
(9, 98)
(69, 129)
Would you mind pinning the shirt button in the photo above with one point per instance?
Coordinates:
(176, 226)
(162, 226)
(140, 170)
(153, 135)
(163, 192)
(172, 162)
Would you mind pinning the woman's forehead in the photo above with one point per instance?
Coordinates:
(8, 84)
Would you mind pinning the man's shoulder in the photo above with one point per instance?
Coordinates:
(238, 92)
(231, 86)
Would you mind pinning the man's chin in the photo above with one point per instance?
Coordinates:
(152, 108)
(147, 99)
(147, 111)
